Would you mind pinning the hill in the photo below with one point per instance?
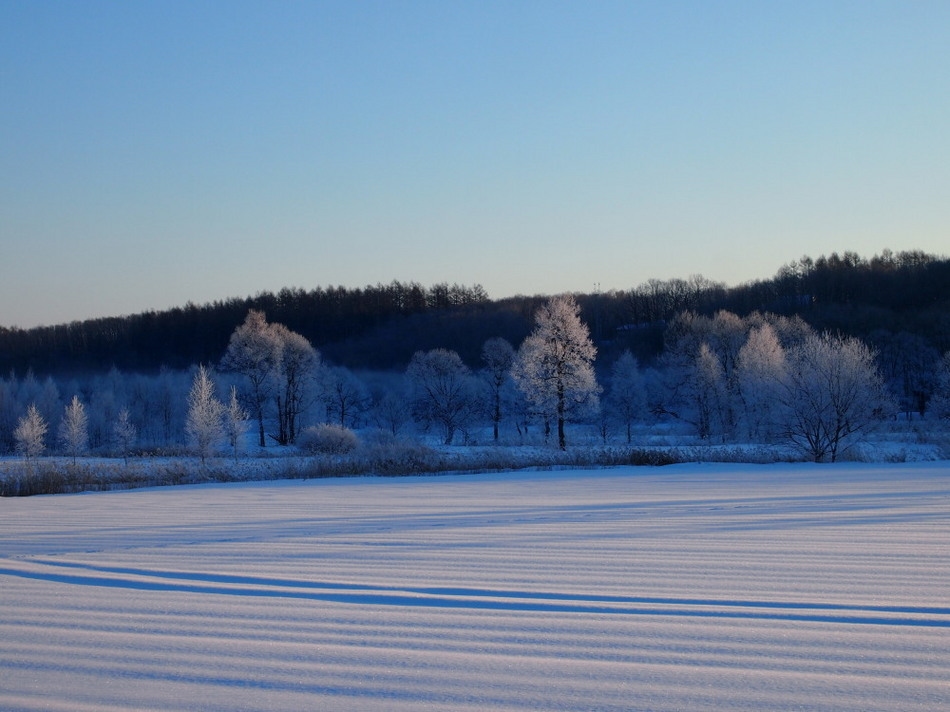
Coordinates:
(381, 326)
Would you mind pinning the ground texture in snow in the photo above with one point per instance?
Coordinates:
(781, 587)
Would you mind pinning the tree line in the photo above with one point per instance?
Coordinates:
(725, 378)
(891, 298)
(179, 337)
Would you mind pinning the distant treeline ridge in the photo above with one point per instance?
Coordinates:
(381, 326)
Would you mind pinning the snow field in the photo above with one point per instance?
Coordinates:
(689, 587)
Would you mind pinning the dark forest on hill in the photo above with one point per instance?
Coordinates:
(891, 298)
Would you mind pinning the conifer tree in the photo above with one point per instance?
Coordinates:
(204, 425)
(30, 433)
(74, 429)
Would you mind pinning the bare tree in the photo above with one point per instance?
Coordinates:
(554, 366)
(498, 355)
(832, 394)
(441, 390)
(74, 429)
(345, 396)
(30, 433)
(204, 425)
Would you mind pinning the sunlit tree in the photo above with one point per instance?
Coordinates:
(254, 351)
(74, 429)
(204, 424)
(832, 395)
(554, 365)
(760, 371)
(30, 433)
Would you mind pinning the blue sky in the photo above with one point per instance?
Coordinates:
(156, 153)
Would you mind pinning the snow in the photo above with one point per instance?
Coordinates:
(740, 587)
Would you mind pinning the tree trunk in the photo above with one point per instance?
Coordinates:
(561, 440)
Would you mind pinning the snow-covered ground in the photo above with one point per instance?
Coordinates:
(779, 587)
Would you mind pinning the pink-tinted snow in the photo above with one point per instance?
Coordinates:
(782, 587)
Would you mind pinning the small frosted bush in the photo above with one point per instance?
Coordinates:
(327, 440)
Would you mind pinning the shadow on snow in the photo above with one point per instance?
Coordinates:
(481, 599)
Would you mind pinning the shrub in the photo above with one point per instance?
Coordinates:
(327, 440)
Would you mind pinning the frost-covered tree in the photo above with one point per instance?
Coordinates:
(279, 366)
(297, 377)
(255, 351)
(554, 365)
(832, 394)
(760, 371)
(30, 433)
(235, 422)
(74, 429)
(711, 398)
(204, 425)
(441, 392)
(498, 355)
(626, 400)
(124, 433)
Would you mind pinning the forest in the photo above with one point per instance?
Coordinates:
(811, 361)
(380, 327)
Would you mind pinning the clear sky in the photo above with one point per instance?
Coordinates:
(153, 153)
